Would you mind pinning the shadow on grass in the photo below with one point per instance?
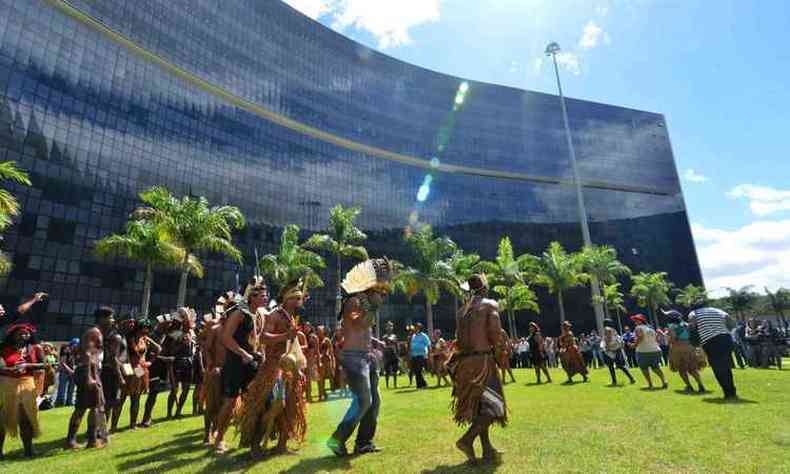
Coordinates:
(324, 464)
(691, 394)
(724, 401)
(461, 468)
(168, 455)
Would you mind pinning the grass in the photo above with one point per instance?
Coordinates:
(554, 428)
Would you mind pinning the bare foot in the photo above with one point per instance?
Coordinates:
(491, 455)
(468, 450)
(220, 448)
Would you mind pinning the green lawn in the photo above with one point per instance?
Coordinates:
(554, 428)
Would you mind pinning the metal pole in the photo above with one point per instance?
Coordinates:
(594, 287)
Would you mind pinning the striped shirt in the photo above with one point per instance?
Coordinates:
(710, 322)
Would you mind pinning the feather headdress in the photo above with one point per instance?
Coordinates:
(372, 273)
(256, 282)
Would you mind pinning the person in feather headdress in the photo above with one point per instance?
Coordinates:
(478, 396)
(365, 288)
(240, 339)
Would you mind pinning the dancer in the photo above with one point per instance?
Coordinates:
(20, 359)
(504, 354)
(537, 351)
(241, 336)
(112, 359)
(90, 393)
(159, 376)
(478, 395)
(340, 377)
(327, 367)
(683, 357)
(313, 354)
(391, 356)
(365, 288)
(648, 353)
(612, 347)
(273, 387)
(571, 359)
(439, 355)
(137, 340)
(179, 344)
(210, 342)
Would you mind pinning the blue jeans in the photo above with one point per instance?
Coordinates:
(65, 390)
(363, 380)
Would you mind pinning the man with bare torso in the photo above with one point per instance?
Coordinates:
(365, 286)
(210, 341)
(478, 398)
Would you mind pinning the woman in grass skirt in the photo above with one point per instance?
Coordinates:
(684, 357)
(571, 359)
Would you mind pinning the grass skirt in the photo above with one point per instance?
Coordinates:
(477, 388)
(572, 362)
(684, 358)
(15, 394)
(257, 399)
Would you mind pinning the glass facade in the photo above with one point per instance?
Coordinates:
(252, 104)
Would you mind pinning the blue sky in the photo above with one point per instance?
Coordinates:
(716, 69)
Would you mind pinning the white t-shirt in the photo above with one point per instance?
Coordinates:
(648, 343)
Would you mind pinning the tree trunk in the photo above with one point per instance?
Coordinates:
(182, 285)
(653, 315)
(595, 289)
(147, 284)
(562, 307)
(429, 316)
(619, 321)
(513, 328)
(338, 295)
(605, 310)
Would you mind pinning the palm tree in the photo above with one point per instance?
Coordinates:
(691, 297)
(146, 243)
(651, 291)
(780, 301)
(431, 272)
(509, 271)
(9, 206)
(463, 267)
(601, 263)
(560, 271)
(518, 297)
(741, 300)
(612, 298)
(292, 262)
(193, 225)
(339, 241)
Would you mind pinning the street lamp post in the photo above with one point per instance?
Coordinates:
(551, 50)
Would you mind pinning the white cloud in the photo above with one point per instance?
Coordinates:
(312, 8)
(387, 20)
(757, 254)
(570, 61)
(763, 200)
(694, 177)
(591, 34)
(602, 10)
(514, 67)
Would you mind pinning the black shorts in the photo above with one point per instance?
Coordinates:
(182, 370)
(236, 375)
(111, 385)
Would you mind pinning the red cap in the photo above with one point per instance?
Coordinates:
(639, 318)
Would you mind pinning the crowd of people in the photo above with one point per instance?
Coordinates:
(251, 364)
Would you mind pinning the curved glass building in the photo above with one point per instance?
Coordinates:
(251, 103)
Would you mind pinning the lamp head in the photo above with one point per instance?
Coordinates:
(552, 48)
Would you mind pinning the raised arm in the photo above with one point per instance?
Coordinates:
(25, 307)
